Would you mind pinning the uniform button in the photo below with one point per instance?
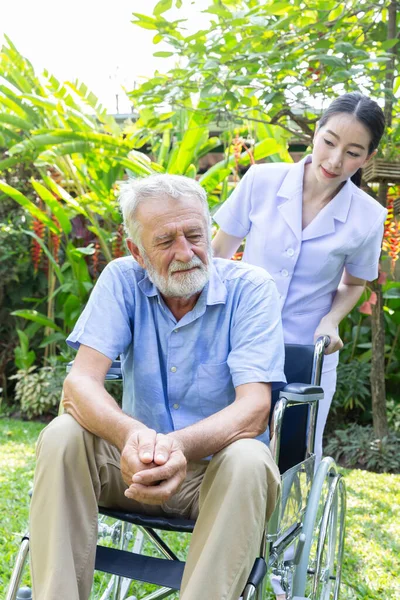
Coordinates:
(175, 406)
(176, 330)
(290, 251)
(173, 369)
(284, 273)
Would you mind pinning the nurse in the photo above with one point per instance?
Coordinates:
(313, 229)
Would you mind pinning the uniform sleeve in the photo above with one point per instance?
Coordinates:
(105, 322)
(234, 215)
(257, 353)
(364, 262)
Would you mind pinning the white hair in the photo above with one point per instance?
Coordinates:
(157, 187)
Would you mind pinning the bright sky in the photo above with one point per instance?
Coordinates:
(92, 40)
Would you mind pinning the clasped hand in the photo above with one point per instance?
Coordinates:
(153, 466)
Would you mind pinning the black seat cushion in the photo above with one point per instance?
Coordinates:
(163, 523)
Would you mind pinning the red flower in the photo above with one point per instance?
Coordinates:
(373, 298)
(366, 308)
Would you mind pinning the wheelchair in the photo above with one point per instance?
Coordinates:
(303, 542)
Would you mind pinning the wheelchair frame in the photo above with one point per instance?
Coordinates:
(304, 538)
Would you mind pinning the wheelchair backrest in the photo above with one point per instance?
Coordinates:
(298, 369)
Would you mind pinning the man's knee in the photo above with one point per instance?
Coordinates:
(247, 452)
(61, 435)
(248, 458)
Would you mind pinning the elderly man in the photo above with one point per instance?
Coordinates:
(200, 342)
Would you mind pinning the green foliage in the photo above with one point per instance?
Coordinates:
(357, 447)
(353, 386)
(270, 61)
(393, 414)
(23, 356)
(38, 391)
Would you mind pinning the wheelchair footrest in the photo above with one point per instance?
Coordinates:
(160, 571)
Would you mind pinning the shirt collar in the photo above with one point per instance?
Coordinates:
(216, 292)
(293, 182)
(338, 208)
(147, 287)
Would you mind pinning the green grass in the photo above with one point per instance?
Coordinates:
(372, 553)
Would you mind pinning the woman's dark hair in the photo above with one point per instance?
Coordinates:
(367, 111)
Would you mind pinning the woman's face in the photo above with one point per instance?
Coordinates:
(340, 149)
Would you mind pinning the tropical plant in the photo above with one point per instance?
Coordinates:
(77, 156)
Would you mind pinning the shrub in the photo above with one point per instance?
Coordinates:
(38, 391)
(357, 447)
(353, 386)
(393, 414)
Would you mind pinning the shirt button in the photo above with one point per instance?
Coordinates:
(176, 330)
(173, 369)
(284, 273)
(290, 252)
(176, 406)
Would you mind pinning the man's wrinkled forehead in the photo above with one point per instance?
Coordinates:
(166, 216)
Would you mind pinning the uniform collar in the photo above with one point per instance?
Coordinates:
(290, 196)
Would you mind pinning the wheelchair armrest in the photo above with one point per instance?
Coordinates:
(114, 372)
(300, 393)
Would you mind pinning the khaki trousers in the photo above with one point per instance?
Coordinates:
(231, 497)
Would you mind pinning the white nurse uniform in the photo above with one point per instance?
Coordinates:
(306, 264)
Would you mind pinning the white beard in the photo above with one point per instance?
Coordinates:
(180, 285)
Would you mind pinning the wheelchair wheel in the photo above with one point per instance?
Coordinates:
(318, 573)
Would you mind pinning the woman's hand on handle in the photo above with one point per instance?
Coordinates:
(329, 328)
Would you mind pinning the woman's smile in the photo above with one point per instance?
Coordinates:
(328, 174)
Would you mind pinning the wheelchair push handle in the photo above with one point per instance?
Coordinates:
(325, 339)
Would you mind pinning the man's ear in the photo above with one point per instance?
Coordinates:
(134, 250)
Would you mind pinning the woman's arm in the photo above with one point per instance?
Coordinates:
(347, 295)
(225, 245)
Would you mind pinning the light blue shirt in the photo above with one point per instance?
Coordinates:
(179, 372)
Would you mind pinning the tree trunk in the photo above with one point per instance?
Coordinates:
(378, 391)
(378, 388)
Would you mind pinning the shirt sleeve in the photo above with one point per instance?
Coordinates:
(258, 353)
(364, 261)
(234, 215)
(105, 322)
